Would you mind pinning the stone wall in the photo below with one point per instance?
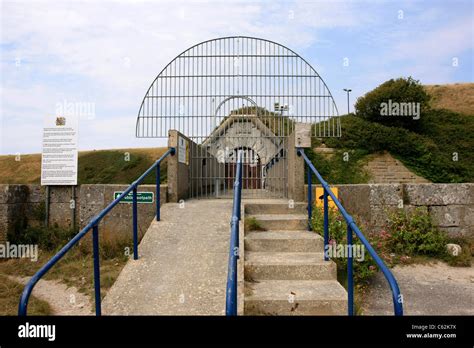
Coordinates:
(451, 206)
(24, 205)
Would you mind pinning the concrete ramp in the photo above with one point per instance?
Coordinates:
(182, 265)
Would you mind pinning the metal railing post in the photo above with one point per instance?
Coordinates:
(352, 228)
(326, 224)
(95, 247)
(350, 273)
(135, 224)
(231, 292)
(310, 197)
(158, 197)
(92, 225)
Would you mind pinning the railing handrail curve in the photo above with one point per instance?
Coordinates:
(396, 296)
(93, 223)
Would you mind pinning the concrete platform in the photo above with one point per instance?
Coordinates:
(281, 221)
(295, 297)
(288, 266)
(283, 241)
(182, 265)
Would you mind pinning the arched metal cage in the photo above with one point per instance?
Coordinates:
(237, 94)
(203, 85)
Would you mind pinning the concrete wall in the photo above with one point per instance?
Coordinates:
(178, 173)
(276, 179)
(206, 172)
(451, 206)
(198, 176)
(24, 205)
(296, 166)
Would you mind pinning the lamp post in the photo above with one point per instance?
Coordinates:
(348, 91)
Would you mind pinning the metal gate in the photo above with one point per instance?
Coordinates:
(237, 93)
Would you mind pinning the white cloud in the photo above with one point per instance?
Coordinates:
(108, 53)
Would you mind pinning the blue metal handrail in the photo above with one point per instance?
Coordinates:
(94, 225)
(351, 227)
(231, 290)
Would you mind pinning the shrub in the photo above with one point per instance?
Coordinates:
(401, 90)
(413, 233)
(363, 270)
(429, 155)
(49, 238)
(337, 170)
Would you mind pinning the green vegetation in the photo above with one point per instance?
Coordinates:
(121, 166)
(342, 167)
(413, 233)
(46, 238)
(409, 236)
(399, 90)
(363, 270)
(115, 167)
(442, 154)
(438, 146)
(74, 269)
(252, 224)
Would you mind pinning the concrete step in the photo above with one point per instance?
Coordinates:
(275, 208)
(295, 297)
(281, 221)
(284, 241)
(287, 266)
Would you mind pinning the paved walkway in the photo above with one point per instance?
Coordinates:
(182, 265)
(428, 289)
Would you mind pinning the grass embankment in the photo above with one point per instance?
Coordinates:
(120, 166)
(458, 97)
(437, 147)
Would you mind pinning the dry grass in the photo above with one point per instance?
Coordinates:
(74, 269)
(458, 97)
(28, 169)
(10, 292)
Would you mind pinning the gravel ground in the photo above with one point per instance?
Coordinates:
(427, 289)
(63, 300)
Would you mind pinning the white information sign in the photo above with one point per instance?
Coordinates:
(183, 150)
(59, 157)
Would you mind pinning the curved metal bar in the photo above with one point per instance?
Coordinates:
(25, 295)
(296, 55)
(234, 97)
(396, 296)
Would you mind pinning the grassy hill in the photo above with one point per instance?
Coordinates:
(458, 97)
(440, 149)
(98, 166)
(447, 129)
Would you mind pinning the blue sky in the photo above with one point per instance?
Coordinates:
(107, 53)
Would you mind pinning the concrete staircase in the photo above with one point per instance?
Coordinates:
(284, 268)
